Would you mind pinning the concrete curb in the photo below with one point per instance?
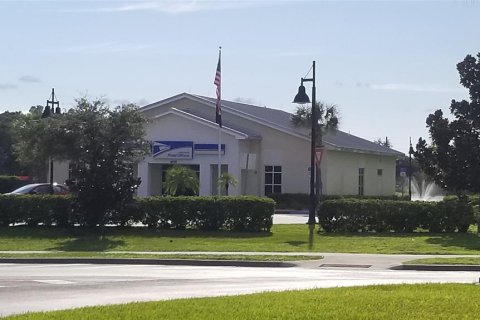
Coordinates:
(176, 262)
(437, 267)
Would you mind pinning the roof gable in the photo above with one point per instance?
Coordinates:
(273, 118)
(237, 134)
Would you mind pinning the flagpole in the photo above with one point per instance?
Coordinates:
(218, 115)
(219, 158)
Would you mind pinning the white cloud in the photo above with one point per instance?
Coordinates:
(30, 79)
(7, 86)
(181, 6)
(117, 102)
(408, 87)
(105, 47)
(299, 53)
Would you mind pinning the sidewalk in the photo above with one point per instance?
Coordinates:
(329, 260)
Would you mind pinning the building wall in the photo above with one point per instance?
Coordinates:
(277, 148)
(172, 127)
(292, 153)
(274, 148)
(341, 173)
(60, 171)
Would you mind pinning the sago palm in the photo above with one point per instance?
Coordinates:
(181, 180)
(226, 180)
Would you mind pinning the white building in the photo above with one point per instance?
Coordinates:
(260, 147)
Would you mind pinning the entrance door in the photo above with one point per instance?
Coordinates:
(214, 175)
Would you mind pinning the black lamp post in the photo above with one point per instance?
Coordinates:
(302, 98)
(47, 112)
(410, 152)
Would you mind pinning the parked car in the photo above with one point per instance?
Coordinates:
(41, 188)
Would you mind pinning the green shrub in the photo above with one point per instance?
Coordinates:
(295, 201)
(353, 215)
(35, 209)
(299, 201)
(243, 213)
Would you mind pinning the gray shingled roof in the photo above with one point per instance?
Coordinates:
(335, 139)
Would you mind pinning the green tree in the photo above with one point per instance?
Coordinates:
(386, 143)
(103, 144)
(226, 180)
(328, 120)
(8, 163)
(452, 159)
(181, 180)
(35, 143)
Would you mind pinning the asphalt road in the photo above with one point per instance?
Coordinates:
(48, 287)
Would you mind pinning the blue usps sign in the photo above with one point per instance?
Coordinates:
(208, 148)
(172, 149)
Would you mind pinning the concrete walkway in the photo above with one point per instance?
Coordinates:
(325, 260)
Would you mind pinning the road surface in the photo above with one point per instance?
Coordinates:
(42, 287)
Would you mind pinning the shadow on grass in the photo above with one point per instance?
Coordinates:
(467, 241)
(49, 232)
(89, 243)
(296, 243)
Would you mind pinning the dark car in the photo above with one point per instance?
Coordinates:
(41, 188)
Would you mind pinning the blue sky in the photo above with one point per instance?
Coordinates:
(385, 64)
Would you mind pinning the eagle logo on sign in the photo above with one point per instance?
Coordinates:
(159, 148)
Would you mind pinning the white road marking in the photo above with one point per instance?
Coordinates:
(54, 281)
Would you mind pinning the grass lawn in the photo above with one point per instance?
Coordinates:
(282, 238)
(430, 301)
(119, 255)
(460, 261)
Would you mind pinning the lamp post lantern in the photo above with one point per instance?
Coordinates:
(47, 112)
(302, 98)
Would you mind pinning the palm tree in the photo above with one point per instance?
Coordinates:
(328, 119)
(226, 180)
(181, 180)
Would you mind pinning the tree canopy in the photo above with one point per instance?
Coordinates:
(452, 159)
(327, 117)
(386, 143)
(102, 144)
(8, 163)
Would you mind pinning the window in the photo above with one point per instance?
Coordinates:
(273, 179)
(379, 172)
(361, 181)
(43, 189)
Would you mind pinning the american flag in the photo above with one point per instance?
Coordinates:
(218, 83)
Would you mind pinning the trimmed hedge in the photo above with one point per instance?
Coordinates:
(295, 201)
(35, 209)
(244, 213)
(352, 215)
(299, 201)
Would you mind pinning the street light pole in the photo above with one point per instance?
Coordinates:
(302, 98)
(47, 112)
(410, 152)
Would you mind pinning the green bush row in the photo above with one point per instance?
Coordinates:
(299, 201)
(44, 209)
(353, 215)
(10, 183)
(243, 213)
